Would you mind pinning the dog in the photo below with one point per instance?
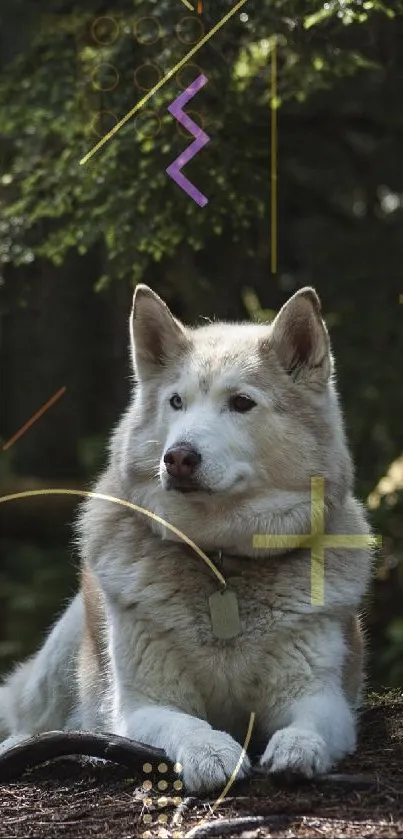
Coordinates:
(183, 627)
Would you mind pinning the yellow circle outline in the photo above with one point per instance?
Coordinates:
(152, 113)
(104, 43)
(146, 64)
(197, 118)
(97, 114)
(148, 43)
(178, 75)
(189, 17)
(105, 89)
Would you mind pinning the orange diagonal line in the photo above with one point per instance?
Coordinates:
(33, 419)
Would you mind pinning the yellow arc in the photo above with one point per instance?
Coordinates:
(89, 494)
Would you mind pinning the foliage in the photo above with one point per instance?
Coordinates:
(35, 584)
(51, 203)
(339, 212)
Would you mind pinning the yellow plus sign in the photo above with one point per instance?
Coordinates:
(317, 541)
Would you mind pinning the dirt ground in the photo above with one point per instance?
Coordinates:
(73, 797)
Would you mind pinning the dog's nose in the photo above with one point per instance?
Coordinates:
(181, 461)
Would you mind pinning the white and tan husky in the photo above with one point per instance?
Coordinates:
(227, 425)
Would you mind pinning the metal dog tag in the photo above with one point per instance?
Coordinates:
(224, 613)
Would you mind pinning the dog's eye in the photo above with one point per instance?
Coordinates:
(241, 403)
(176, 402)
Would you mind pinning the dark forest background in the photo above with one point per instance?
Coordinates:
(75, 239)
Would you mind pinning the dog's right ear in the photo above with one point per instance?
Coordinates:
(157, 338)
(301, 341)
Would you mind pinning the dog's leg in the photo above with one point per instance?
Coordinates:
(7, 740)
(208, 758)
(320, 731)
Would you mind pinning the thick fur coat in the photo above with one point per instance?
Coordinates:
(226, 427)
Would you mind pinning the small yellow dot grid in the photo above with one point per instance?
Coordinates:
(163, 800)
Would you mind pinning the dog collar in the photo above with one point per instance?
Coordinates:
(219, 556)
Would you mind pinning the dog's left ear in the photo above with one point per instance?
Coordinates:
(157, 338)
(300, 339)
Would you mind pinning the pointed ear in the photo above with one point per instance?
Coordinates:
(156, 336)
(300, 339)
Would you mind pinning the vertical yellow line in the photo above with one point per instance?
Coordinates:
(229, 783)
(317, 534)
(273, 174)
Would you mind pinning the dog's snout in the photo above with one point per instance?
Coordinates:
(181, 461)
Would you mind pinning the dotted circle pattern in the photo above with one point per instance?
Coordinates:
(105, 31)
(96, 83)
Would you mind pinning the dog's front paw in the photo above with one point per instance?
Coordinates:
(209, 760)
(297, 751)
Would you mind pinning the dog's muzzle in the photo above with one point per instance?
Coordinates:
(181, 463)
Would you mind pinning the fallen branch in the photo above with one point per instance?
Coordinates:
(232, 827)
(54, 744)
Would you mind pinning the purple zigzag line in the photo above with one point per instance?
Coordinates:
(175, 108)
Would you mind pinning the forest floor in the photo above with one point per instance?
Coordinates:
(74, 798)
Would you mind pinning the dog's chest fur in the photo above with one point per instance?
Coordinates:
(165, 645)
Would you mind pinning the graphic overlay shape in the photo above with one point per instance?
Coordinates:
(162, 81)
(317, 540)
(163, 800)
(273, 160)
(35, 417)
(201, 139)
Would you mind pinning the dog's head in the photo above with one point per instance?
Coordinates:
(231, 421)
